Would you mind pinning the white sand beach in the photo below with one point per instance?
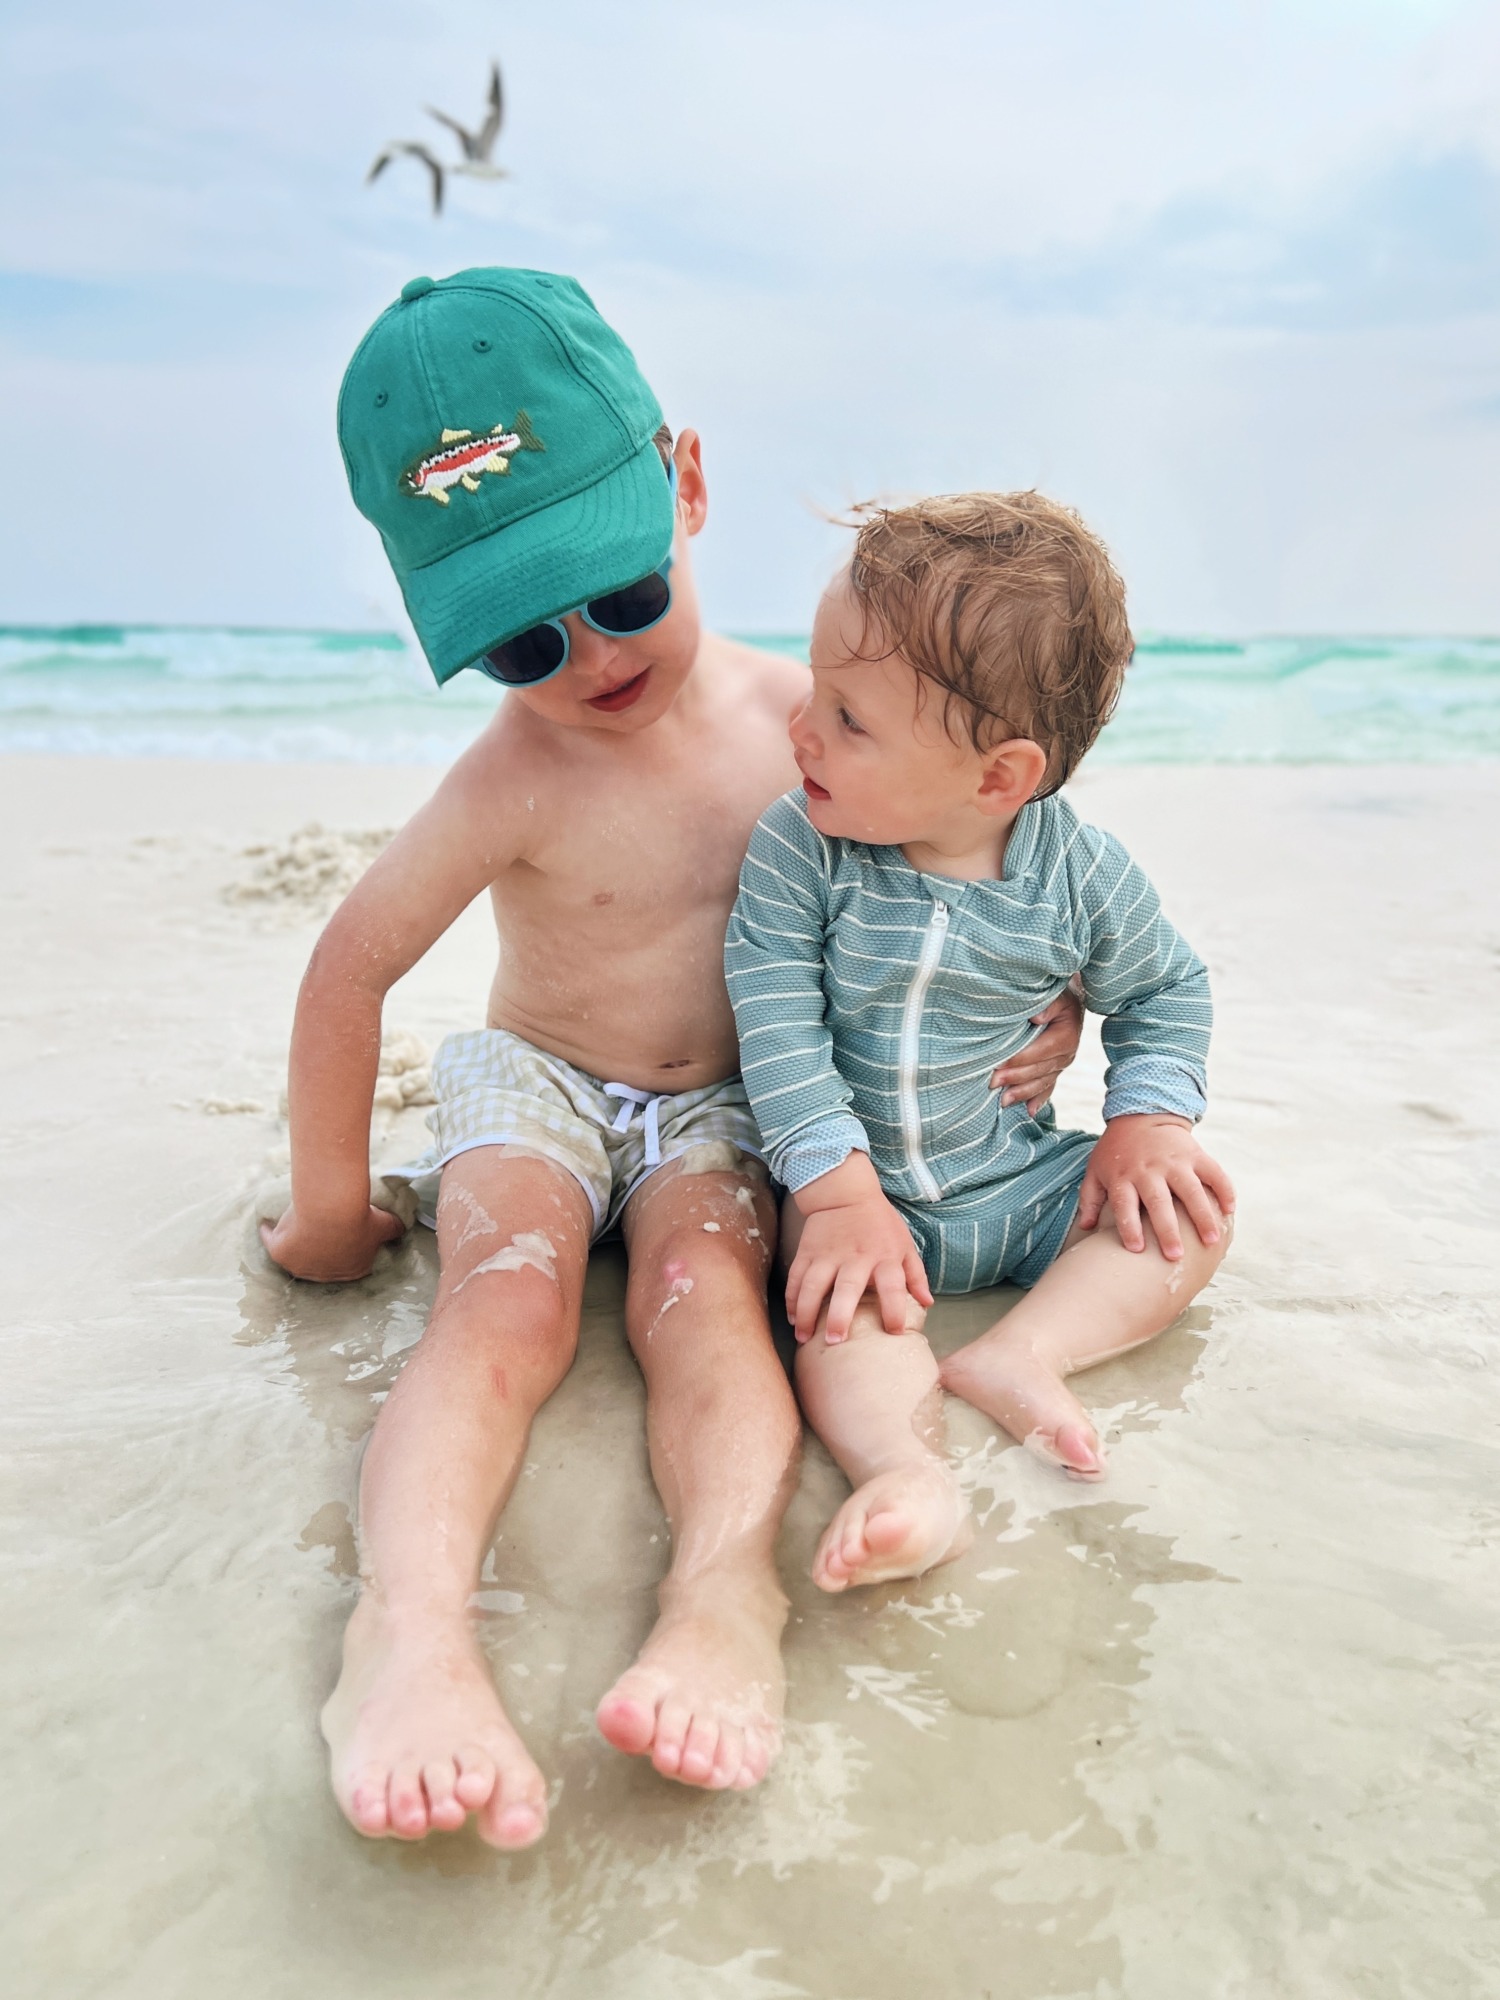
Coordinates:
(1221, 1726)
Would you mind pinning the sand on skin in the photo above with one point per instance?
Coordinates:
(1221, 1726)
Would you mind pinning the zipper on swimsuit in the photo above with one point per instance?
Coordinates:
(911, 1048)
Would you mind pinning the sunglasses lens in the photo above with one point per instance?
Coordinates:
(530, 656)
(633, 609)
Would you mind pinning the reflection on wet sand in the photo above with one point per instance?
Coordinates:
(1218, 1729)
(940, 1733)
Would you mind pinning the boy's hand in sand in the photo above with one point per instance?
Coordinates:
(1030, 1075)
(330, 1254)
(852, 1241)
(1150, 1162)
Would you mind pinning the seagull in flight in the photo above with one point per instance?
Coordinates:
(416, 152)
(477, 147)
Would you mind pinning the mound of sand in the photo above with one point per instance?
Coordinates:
(308, 874)
(405, 1071)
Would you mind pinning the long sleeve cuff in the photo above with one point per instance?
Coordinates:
(818, 1149)
(1142, 1084)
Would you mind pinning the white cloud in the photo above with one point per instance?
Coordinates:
(1227, 277)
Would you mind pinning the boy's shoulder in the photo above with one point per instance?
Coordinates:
(776, 681)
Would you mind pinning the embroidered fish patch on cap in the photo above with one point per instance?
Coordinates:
(461, 457)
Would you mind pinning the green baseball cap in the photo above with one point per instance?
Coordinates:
(499, 436)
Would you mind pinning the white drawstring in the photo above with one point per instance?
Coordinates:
(633, 1101)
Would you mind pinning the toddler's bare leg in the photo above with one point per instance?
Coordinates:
(1098, 1300)
(875, 1401)
(704, 1698)
(416, 1731)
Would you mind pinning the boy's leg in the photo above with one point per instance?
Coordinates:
(416, 1731)
(1096, 1301)
(875, 1401)
(704, 1698)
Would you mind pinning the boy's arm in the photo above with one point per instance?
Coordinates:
(440, 861)
(773, 961)
(1153, 990)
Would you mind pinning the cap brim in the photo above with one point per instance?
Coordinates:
(547, 563)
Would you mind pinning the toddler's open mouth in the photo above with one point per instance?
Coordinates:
(813, 789)
(626, 695)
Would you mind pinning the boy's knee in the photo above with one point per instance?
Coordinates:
(517, 1301)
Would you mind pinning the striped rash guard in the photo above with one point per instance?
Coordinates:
(873, 1001)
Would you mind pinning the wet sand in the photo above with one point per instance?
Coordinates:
(1221, 1726)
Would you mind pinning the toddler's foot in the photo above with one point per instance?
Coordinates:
(419, 1739)
(704, 1699)
(1029, 1400)
(900, 1523)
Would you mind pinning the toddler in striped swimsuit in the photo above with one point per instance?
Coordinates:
(901, 919)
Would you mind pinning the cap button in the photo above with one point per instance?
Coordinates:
(416, 288)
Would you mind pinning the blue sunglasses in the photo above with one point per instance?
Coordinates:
(535, 655)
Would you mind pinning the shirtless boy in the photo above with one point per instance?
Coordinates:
(500, 437)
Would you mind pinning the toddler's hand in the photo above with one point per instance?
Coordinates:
(846, 1251)
(1032, 1072)
(329, 1255)
(1144, 1162)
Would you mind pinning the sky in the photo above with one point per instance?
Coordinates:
(1223, 274)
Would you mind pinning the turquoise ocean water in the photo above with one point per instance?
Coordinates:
(366, 697)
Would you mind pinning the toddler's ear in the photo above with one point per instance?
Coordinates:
(1012, 772)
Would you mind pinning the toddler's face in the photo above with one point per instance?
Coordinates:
(876, 762)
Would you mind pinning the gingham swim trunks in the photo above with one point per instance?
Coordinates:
(493, 1089)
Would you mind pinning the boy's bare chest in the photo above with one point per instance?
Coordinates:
(649, 847)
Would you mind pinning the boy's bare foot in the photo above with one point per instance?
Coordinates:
(1030, 1400)
(900, 1523)
(704, 1699)
(419, 1739)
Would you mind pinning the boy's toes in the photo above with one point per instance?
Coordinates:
(673, 1720)
(627, 1723)
(443, 1808)
(408, 1802)
(729, 1758)
(516, 1813)
(761, 1746)
(476, 1778)
(368, 1807)
(699, 1751)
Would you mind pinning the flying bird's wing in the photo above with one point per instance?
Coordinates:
(489, 131)
(465, 137)
(434, 167)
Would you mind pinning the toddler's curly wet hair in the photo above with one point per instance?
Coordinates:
(1007, 603)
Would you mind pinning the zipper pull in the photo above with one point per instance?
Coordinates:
(940, 916)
